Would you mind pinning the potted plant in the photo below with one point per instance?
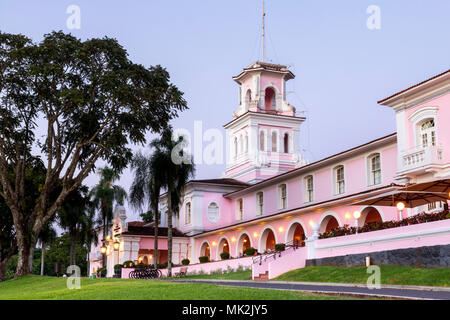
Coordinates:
(118, 270)
(203, 259)
(250, 251)
(280, 247)
(128, 264)
(185, 262)
(225, 255)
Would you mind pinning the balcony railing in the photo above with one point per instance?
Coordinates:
(421, 157)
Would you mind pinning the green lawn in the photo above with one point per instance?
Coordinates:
(50, 288)
(389, 275)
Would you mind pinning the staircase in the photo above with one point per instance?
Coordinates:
(262, 277)
(270, 266)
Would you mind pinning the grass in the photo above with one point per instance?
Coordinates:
(51, 288)
(399, 275)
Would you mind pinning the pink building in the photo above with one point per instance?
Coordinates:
(270, 195)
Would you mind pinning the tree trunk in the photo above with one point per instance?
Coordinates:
(24, 257)
(169, 233)
(156, 226)
(3, 269)
(42, 258)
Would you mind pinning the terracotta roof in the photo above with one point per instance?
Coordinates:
(224, 181)
(414, 86)
(136, 223)
(150, 231)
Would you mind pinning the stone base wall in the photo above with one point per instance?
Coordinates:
(431, 257)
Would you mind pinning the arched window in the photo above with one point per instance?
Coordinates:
(187, 213)
(286, 142)
(309, 189)
(427, 133)
(270, 99)
(282, 196)
(339, 180)
(274, 141)
(213, 212)
(248, 99)
(374, 165)
(259, 203)
(262, 138)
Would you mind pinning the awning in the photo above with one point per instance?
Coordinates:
(411, 199)
(442, 185)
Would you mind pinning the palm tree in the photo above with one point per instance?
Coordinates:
(104, 195)
(146, 187)
(46, 236)
(176, 176)
(77, 216)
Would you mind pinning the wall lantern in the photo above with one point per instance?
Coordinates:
(347, 216)
(233, 239)
(140, 259)
(116, 245)
(281, 229)
(255, 234)
(103, 249)
(356, 214)
(214, 244)
(311, 223)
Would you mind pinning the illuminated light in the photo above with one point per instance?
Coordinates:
(400, 206)
(281, 229)
(357, 214)
(214, 244)
(225, 244)
(311, 223)
(103, 249)
(233, 239)
(255, 234)
(348, 216)
(116, 245)
(245, 240)
(449, 194)
(108, 237)
(140, 259)
(151, 257)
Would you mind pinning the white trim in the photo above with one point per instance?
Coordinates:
(295, 221)
(261, 237)
(201, 246)
(362, 208)
(207, 211)
(238, 239)
(218, 246)
(324, 216)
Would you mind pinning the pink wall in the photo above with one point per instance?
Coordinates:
(149, 243)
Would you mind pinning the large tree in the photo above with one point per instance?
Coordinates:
(88, 101)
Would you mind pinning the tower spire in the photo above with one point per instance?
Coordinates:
(263, 30)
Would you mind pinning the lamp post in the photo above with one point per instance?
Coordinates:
(356, 215)
(400, 208)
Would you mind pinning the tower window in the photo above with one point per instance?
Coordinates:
(240, 209)
(270, 99)
(262, 138)
(374, 169)
(283, 196)
(187, 213)
(248, 99)
(274, 141)
(286, 142)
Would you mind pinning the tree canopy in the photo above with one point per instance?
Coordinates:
(91, 101)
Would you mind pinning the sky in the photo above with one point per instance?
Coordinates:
(342, 67)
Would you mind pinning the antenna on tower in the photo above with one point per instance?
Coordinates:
(263, 30)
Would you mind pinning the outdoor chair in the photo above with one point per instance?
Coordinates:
(182, 272)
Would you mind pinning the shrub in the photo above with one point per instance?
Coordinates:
(128, 264)
(118, 266)
(203, 259)
(280, 247)
(225, 255)
(185, 262)
(249, 251)
(101, 272)
(162, 265)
